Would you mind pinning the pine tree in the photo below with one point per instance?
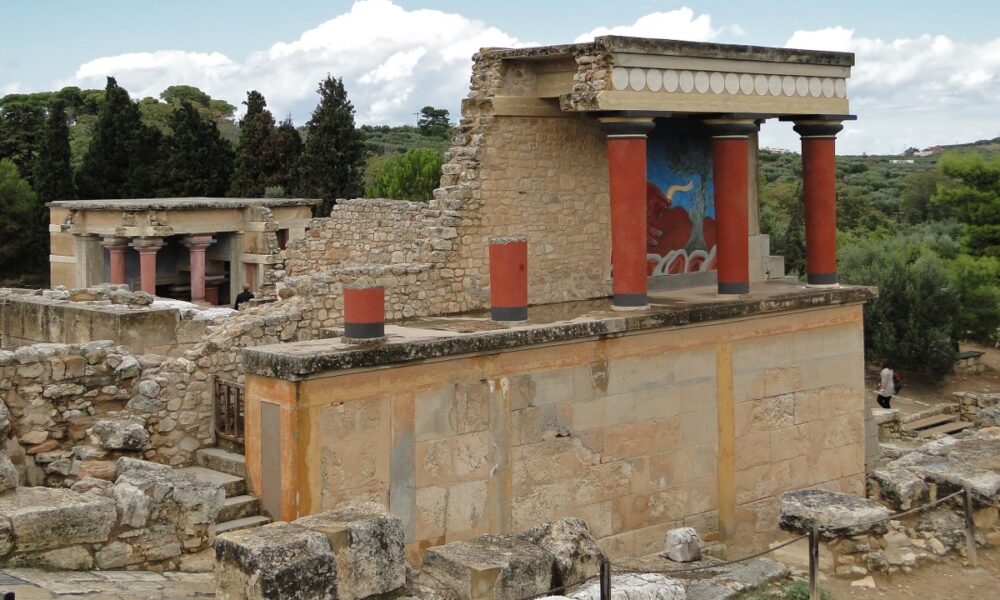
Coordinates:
(333, 158)
(255, 157)
(123, 155)
(287, 149)
(22, 225)
(53, 173)
(198, 162)
(22, 119)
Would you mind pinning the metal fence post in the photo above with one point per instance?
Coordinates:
(605, 579)
(814, 563)
(970, 529)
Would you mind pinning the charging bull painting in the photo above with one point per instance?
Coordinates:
(680, 209)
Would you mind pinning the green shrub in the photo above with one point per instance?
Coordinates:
(411, 176)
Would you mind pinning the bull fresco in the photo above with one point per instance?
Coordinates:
(680, 207)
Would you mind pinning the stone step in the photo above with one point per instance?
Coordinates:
(234, 486)
(244, 523)
(931, 421)
(218, 459)
(239, 507)
(952, 427)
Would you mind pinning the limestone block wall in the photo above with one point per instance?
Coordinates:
(693, 426)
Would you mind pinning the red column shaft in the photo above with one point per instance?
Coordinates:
(729, 165)
(819, 189)
(147, 269)
(627, 179)
(364, 312)
(509, 279)
(117, 256)
(197, 260)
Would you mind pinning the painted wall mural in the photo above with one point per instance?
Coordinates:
(680, 205)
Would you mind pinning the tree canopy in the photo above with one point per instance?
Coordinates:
(256, 162)
(53, 167)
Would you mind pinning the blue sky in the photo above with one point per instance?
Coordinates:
(927, 72)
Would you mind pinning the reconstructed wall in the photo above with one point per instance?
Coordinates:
(699, 425)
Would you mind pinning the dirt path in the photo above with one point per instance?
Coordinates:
(949, 579)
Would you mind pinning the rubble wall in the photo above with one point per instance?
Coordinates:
(623, 433)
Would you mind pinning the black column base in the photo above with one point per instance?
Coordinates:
(741, 288)
(631, 301)
(509, 313)
(821, 278)
(364, 331)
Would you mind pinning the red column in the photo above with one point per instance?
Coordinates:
(509, 279)
(819, 192)
(364, 312)
(196, 245)
(147, 248)
(116, 253)
(627, 183)
(730, 147)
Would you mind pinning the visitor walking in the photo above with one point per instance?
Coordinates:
(245, 296)
(887, 385)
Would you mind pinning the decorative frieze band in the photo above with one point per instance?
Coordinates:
(703, 82)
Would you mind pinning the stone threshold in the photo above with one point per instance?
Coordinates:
(473, 333)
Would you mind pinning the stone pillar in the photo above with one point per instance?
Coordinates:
(627, 182)
(730, 147)
(89, 260)
(117, 247)
(509, 278)
(147, 248)
(819, 192)
(196, 245)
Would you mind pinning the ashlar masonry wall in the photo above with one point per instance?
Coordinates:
(699, 425)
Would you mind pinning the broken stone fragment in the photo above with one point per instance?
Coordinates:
(368, 545)
(46, 518)
(578, 556)
(683, 545)
(491, 567)
(4, 421)
(639, 586)
(900, 488)
(836, 514)
(121, 433)
(128, 368)
(279, 560)
(8, 474)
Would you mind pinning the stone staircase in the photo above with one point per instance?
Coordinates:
(228, 471)
(930, 426)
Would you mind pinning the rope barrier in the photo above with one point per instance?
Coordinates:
(714, 565)
(895, 516)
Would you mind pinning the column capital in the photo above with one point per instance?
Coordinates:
(147, 243)
(198, 241)
(115, 243)
(818, 129)
(731, 128)
(626, 127)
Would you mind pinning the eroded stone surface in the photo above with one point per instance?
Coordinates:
(899, 487)
(683, 545)
(47, 518)
(642, 586)
(836, 514)
(126, 432)
(276, 561)
(577, 555)
(494, 567)
(752, 575)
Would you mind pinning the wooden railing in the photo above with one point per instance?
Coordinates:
(229, 411)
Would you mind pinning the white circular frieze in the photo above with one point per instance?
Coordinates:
(732, 83)
(670, 80)
(815, 87)
(746, 83)
(654, 80)
(840, 88)
(828, 87)
(701, 82)
(619, 78)
(774, 85)
(637, 79)
(788, 85)
(686, 81)
(717, 82)
(801, 86)
(760, 85)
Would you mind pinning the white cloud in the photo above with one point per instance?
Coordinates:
(10, 88)
(680, 24)
(915, 91)
(393, 62)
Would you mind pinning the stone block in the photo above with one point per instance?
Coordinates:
(682, 545)
(123, 433)
(367, 543)
(836, 514)
(900, 488)
(577, 555)
(48, 518)
(276, 561)
(637, 586)
(492, 567)
(8, 473)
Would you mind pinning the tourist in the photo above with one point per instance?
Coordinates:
(243, 297)
(887, 387)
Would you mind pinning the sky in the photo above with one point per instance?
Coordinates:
(926, 73)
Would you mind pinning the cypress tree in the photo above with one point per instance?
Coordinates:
(287, 149)
(198, 162)
(53, 173)
(22, 225)
(255, 156)
(122, 159)
(333, 158)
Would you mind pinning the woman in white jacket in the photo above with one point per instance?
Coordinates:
(887, 387)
